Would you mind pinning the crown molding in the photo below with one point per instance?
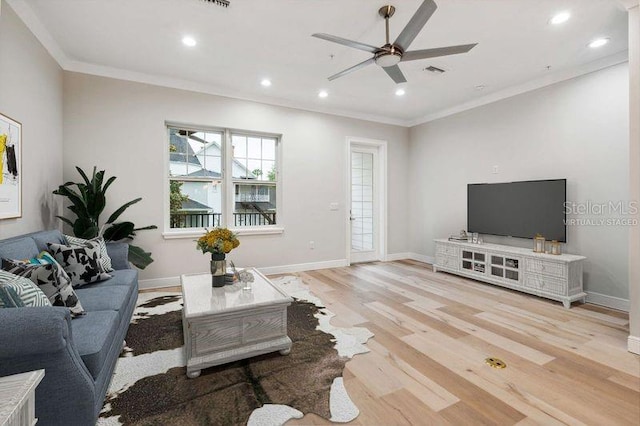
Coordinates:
(31, 20)
(629, 4)
(529, 86)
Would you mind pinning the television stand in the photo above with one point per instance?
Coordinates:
(556, 277)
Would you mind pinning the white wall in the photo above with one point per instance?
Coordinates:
(119, 126)
(31, 93)
(577, 129)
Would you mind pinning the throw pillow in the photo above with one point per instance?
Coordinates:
(9, 298)
(80, 262)
(51, 279)
(29, 293)
(105, 260)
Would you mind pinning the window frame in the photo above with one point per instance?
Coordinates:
(228, 182)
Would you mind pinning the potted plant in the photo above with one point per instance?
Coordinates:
(88, 201)
(218, 242)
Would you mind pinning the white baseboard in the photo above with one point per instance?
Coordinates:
(422, 258)
(608, 301)
(396, 256)
(159, 283)
(299, 267)
(633, 344)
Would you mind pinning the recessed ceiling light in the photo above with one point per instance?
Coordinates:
(400, 92)
(480, 87)
(266, 82)
(599, 42)
(323, 94)
(560, 18)
(189, 41)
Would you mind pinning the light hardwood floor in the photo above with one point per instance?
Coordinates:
(433, 332)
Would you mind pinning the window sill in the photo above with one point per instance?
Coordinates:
(175, 234)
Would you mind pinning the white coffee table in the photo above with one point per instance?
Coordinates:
(228, 323)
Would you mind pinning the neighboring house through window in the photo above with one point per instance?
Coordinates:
(202, 195)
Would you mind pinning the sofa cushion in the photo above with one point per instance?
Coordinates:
(20, 248)
(29, 293)
(122, 277)
(105, 260)
(43, 237)
(82, 263)
(105, 298)
(51, 279)
(93, 334)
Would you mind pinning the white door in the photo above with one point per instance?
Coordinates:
(364, 212)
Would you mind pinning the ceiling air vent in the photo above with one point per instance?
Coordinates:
(224, 3)
(434, 70)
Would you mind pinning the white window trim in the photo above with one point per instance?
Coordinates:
(228, 183)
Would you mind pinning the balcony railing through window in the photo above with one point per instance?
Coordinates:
(212, 220)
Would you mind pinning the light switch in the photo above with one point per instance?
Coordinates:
(333, 206)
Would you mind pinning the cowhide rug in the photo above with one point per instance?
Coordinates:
(150, 387)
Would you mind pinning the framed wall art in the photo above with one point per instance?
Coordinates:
(10, 168)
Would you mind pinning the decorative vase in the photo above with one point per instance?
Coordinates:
(218, 269)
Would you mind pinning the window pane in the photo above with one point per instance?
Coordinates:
(255, 205)
(188, 152)
(195, 204)
(268, 149)
(254, 148)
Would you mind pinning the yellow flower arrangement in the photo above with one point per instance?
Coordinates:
(218, 241)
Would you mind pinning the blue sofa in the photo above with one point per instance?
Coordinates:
(78, 355)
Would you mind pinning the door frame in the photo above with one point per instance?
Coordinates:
(381, 192)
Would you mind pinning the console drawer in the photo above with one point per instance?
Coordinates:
(546, 267)
(546, 284)
(447, 250)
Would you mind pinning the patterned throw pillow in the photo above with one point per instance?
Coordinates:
(82, 263)
(50, 278)
(105, 260)
(9, 298)
(26, 290)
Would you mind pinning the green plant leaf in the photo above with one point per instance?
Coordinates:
(114, 216)
(119, 231)
(84, 228)
(65, 220)
(146, 228)
(84, 175)
(138, 257)
(108, 184)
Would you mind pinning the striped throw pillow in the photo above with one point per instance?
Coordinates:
(105, 260)
(9, 298)
(27, 291)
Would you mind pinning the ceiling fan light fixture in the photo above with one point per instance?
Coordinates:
(388, 59)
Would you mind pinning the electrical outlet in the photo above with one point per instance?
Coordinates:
(312, 245)
(495, 170)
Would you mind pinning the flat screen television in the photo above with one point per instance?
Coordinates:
(518, 209)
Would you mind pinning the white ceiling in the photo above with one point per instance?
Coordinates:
(253, 39)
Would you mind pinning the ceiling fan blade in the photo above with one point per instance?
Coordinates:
(395, 73)
(439, 51)
(348, 43)
(416, 23)
(352, 69)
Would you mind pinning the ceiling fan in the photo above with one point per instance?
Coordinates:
(389, 55)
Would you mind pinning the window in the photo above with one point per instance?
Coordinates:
(203, 195)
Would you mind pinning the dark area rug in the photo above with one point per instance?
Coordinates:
(226, 394)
